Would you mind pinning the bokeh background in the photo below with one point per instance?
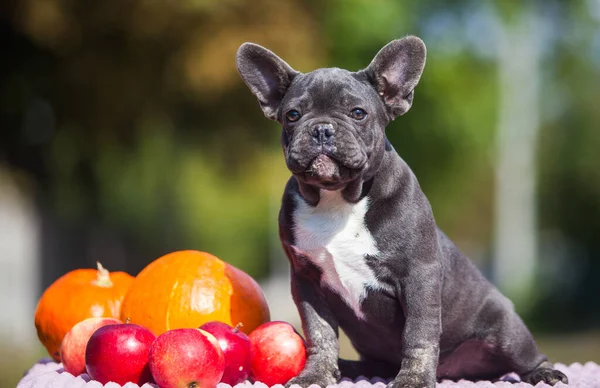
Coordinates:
(126, 133)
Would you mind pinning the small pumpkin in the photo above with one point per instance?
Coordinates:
(75, 296)
(188, 288)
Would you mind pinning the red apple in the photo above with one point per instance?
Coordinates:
(186, 358)
(72, 348)
(278, 353)
(119, 353)
(236, 349)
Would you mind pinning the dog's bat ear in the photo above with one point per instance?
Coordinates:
(267, 76)
(395, 72)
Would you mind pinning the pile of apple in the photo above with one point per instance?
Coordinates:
(110, 350)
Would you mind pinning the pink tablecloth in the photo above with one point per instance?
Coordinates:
(49, 374)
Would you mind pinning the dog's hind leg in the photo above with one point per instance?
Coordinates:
(513, 344)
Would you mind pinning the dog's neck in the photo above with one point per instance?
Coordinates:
(353, 192)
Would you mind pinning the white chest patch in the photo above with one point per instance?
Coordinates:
(334, 236)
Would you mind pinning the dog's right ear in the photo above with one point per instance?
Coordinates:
(267, 76)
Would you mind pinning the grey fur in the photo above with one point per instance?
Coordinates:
(443, 319)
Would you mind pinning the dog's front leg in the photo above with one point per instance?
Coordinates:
(321, 330)
(420, 292)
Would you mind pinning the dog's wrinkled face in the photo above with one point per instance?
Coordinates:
(334, 120)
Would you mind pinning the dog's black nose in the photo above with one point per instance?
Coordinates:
(322, 132)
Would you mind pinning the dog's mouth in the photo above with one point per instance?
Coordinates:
(324, 168)
(328, 173)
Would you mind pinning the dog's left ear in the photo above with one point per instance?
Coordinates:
(395, 72)
(267, 76)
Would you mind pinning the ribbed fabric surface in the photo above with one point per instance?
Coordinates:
(49, 374)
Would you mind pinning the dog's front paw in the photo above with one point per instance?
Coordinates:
(321, 379)
(412, 380)
(546, 375)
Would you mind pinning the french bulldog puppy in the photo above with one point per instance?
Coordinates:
(365, 252)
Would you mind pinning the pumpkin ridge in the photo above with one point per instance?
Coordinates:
(174, 287)
(229, 290)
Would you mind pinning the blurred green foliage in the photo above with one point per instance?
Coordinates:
(136, 131)
(128, 125)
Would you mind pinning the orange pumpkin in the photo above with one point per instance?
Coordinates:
(188, 288)
(78, 294)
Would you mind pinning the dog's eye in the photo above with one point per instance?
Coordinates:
(292, 116)
(358, 114)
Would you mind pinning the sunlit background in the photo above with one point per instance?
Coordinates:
(126, 133)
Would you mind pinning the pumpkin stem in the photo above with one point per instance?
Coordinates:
(102, 277)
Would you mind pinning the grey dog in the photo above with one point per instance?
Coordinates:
(365, 252)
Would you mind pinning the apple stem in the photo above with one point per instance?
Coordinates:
(193, 384)
(102, 277)
(127, 320)
(237, 327)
